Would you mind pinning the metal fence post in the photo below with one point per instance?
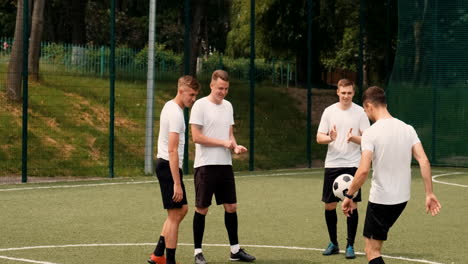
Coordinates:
(186, 71)
(150, 83)
(309, 83)
(112, 90)
(252, 86)
(24, 167)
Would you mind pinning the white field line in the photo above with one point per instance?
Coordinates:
(150, 181)
(448, 183)
(26, 260)
(209, 245)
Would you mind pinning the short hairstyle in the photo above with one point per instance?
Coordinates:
(220, 74)
(345, 83)
(189, 81)
(374, 95)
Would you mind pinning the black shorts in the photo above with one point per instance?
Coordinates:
(380, 218)
(166, 183)
(330, 175)
(217, 180)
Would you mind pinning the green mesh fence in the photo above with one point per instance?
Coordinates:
(68, 113)
(429, 84)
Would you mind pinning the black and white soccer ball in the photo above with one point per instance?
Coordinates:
(341, 186)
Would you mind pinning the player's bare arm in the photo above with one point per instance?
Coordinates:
(359, 178)
(173, 146)
(199, 138)
(323, 138)
(432, 203)
(353, 138)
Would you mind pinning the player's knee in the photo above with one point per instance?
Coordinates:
(202, 211)
(183, 211)
(177, 215)
(230, 208)
(330, 206)
(372, 249)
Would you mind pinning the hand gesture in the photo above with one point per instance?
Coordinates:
(350, 135)
(348, 206)
(432, 205)
(333, 133)
(178, 193)
(239, 149)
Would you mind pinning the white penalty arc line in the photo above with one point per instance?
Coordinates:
(448, 183)
(150, 181)
(26, 260)
(209, 245)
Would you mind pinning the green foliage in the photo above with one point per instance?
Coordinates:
(163, 56)
(54, 52)
(346, 53)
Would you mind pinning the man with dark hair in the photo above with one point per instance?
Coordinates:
(389, 145)
(341, 127)
(212, 123)
(171, 143)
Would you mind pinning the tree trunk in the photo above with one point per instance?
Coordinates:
(35, 39)
(417, 34)
(13, 85)
(199, 9)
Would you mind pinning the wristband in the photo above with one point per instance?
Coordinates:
(347, 195)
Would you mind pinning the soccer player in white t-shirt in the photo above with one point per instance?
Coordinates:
(341, 127)
(211, 121)
(169, 161)
(389, 145)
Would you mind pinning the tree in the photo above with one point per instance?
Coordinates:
(35, 39)
(281, 33)
(209, 26)
(198, 13)
(13, 85)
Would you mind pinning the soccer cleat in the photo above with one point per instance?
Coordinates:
(241, 255)
(350, 252)
(331, 249)
(157, 259)
(200, 259)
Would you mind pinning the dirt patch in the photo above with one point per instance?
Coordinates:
(64, 149)
(13, 108)
(321, 99)
(99, 114)
(93, 152)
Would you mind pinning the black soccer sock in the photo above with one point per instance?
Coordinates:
(198, 229)
(160, 247)
(170, 256)
(352, 222)
(378, 260)
(230, 220)
(332, 220)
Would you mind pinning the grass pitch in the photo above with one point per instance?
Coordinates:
(280, 221)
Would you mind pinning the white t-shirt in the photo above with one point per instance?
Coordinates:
(341, 153)
(391, 142)
(215, 121)
(171, 120)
